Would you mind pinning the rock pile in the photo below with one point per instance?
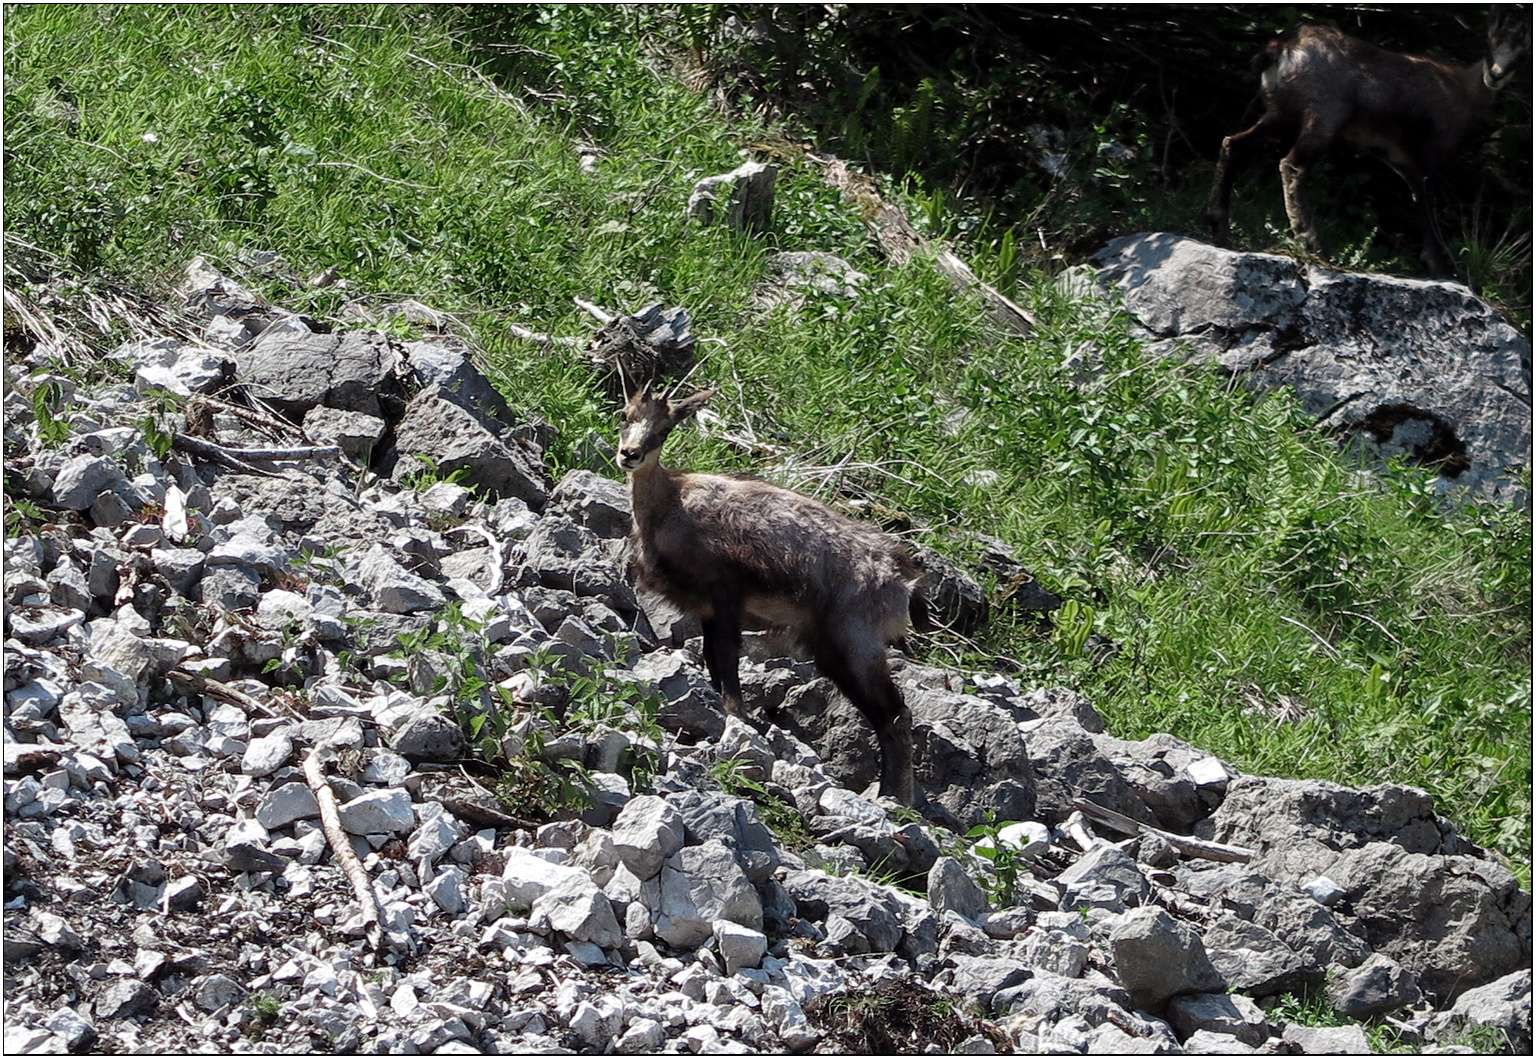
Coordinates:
(185, 639)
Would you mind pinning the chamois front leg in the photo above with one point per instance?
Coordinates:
(722, 652)
(1437, 259)
(1305, 153)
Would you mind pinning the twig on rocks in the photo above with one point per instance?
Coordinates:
(520, 332)
(496, 553)
(341, 846)
(1196, 848)
(207, 686)
(299, 452)
(238, 458)
(260, 418)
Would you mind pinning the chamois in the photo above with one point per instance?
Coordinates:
(740, 553)
(1323, 87)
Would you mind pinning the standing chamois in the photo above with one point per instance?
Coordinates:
(737, 552)
(1323, 87)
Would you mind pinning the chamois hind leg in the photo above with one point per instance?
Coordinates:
(1237, 150)
(1437, 259)
(722, 652)
(858, 668)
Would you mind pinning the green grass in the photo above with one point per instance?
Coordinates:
(1241, 563)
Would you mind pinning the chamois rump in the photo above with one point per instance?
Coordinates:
(740, 553)
(1323, 87)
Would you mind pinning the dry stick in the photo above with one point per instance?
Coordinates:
(341, 845)
(604, 317)
(1196, 848)
(207, 686)
(261, 419)
(902, 242)
(237, 458)
(520, 332)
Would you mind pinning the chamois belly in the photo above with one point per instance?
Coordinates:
(774, 612)
(693, 581)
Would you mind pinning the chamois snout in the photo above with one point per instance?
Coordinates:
(630, 456)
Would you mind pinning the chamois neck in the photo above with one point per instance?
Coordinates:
(653, 490)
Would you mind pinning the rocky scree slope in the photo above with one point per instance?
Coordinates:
(185, 637)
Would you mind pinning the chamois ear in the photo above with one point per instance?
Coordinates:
(682, 410)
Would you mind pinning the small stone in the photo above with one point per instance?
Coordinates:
(952, 889)
(1157, 957)
(218, 992)
(55, 930)
(284, 805)
(377, 812)
(123, 998)
(429, 737)
(1327, 1041)
(267, 754)
(446, 889)
(1379, 985)
(643, 1035)
(1232, 1014)
(73, 1028)
(1324, 891)
(740, 947)
(182, 894)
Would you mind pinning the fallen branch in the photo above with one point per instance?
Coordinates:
(253, 416)
(603, 316)
(207, 686)
(238, 459)
(520, 332)
(1196, 848)
(341, 846)
(902, 243)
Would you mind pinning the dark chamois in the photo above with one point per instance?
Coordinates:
(1323, 87)
(739, 553)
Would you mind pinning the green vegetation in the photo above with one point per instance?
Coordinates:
(267, 1006)
(779, 816)
(1004, 859)
(1266, 599)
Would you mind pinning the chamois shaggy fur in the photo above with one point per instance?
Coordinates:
(1323, 87)
(740, 553)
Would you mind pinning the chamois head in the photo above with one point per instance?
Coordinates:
(649, 418)
(1509, 38)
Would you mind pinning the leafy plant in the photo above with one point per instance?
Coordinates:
(1003, 856)
(51, 431)
(268, 1007)
(781, 818)
(1310, 1008)
(21, 514)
